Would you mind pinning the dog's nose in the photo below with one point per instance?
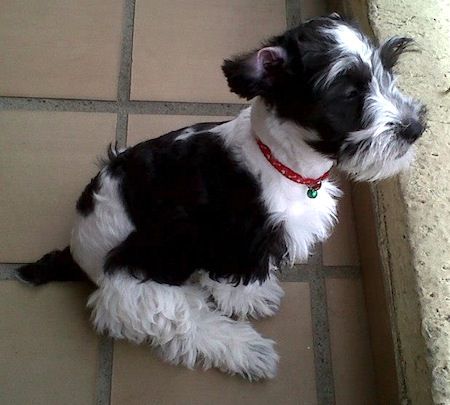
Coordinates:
(411, 130)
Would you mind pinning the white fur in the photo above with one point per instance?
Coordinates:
(186, 134)
(180, 324)
(306, 220)
(351, 48)
(254, 300)
(94, 235)
(340, 66)
(350, 41)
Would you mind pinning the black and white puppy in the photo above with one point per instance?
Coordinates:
(214, 209)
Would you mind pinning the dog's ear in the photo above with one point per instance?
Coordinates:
(391, 50)
(255, 73)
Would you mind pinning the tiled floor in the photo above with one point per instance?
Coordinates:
(73, 80)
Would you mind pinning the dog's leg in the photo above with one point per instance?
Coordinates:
(254, 300)
(180, 324)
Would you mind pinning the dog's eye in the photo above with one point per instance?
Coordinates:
(351, 94)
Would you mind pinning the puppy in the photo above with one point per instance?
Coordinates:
(183, 235)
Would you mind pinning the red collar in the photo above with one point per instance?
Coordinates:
(312, 184)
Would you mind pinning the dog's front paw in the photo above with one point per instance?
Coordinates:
(254, 300)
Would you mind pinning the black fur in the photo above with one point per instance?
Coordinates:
(54, 266)
(85, 204)
(194, 207)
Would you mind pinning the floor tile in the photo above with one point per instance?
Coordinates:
(180, 45)
(142, 127)
(48, 349)
(46, 159)
(341, 249)
(138, 377)
(68, 49)
(350, 346)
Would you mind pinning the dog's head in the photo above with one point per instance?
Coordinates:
(328, 77)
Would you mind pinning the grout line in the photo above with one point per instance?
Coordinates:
(124, 82)
(184, 108)
(321, 343)
(131, 107)
(121, 129)
(293, 13)
(321, 333)
(8, 271)
(57, 104)
(298, 273)
(308, 272)
(104, 379)
(315, 258)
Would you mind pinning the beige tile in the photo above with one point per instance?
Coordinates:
(179, 45)
(143, 127)
(48, 350)
(350, 346)
(46, 159)
(54, 48)
(341, 249)
(138, 377)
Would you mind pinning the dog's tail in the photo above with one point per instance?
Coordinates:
(54, 266)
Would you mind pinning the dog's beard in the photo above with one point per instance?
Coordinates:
(376, 157)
